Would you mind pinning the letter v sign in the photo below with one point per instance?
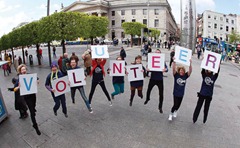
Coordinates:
(25, 82)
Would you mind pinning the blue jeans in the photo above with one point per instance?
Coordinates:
(60, 100)
(82, 92)
(118, 88)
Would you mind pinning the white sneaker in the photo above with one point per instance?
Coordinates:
(170, 117)
(175, 114)
(110, 103)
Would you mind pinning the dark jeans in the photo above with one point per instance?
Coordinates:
(58, 101)
(199, 54)
(94, 85)
(197, 110)
(159, 84)
(176, 103)
(82, 92)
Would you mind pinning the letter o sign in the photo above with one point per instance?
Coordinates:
(60, 88)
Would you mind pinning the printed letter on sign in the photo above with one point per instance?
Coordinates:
(135, 72)
(117, 68)
(183, 55)
(99, 51)
(28, 84)
(211, 61)
(76, 77)
(60, 86)
(156, 61)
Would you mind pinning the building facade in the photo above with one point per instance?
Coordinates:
(154, 13)
(213, 24)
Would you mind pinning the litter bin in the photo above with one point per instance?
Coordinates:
(31, 59)
(3, 110)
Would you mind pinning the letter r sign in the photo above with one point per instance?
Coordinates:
(211, 61)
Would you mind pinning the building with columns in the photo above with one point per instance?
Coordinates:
(154, 13)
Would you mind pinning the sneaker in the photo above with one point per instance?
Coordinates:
(66, 115)
(90, 110)
(112, 97)
(110, 103)
(175, 114)
(170, 117)
(160, 110)
(130, 104)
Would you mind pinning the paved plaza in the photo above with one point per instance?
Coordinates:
(122, 126)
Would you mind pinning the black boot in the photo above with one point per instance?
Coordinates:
(35, 126)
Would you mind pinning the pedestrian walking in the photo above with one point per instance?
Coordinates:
(205, 94)
(26, 54)
(137, 84)
(156, 78)
(199, 50)
(123, 53)
(180, 79)
(19, 102)
(54, 52)
(73, 65)
(172, 54)
(86, 56)
(97, 74)
(59, 100)
(19, 60)
(65, 64)
(29, 99)
(5, 69)
(60, 63)
(15, 62)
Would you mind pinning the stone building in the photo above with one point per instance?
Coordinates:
(154, 13)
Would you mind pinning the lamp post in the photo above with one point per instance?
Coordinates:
(148, 20)
(49, 49)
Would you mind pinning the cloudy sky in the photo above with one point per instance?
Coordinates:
(13, 12)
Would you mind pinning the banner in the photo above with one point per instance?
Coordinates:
(156, 61)
(60, 86)
(76, 77)
(28, 84)
(183, 55)
(99, 51)
(117, 68)
(134, 72)
(211, 61)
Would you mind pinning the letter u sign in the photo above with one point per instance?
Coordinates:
(100, 52)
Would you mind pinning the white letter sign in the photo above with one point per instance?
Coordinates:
(117, 68)
(134, 72)
(156, 61)
(76, 77)
(28, 84)
(60, 86)
(99, 52)
(183, 55)
(211, 61)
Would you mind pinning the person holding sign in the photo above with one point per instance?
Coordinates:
(55, 74)
(156, 79)
(118, 81)
(205, 94)
(97, 74)
(30, 99)
(73, 65)
(180, 77)
(139, 83)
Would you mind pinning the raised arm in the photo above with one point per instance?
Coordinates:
(174, 68)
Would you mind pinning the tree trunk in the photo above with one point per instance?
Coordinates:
(131, 40)
(38, 56)
(12, 56)
(91, 40)
(49, 54)
(139, 41)
(23, 56)
(63, 46)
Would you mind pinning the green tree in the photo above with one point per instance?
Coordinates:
(154, 33)
(234, 37)
(132, 28)
(98, 27)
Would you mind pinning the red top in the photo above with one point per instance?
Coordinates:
(94, 65)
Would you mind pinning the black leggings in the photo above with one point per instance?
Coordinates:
(159, 84)
(197, 110)
(176, 103)
(133, 89)
(94, 85)
(31, 103)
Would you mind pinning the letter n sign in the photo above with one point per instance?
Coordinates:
(211, 61)
(117, 68)
(100, 51)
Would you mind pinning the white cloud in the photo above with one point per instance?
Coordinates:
(7, 7)
(43, 6)
(201, 5)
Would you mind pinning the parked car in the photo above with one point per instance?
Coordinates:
(108, 42)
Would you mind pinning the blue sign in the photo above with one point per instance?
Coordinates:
(2, 109)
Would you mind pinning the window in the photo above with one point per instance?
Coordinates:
(156, 23)
(133, 20)
(113, 13)
(227, 20)
(209, 16)
(221, 18)
(144, 11)
(145, 21)
(215, 17)
(226, 28)
(122, 12)
(232, 28)
(221, 27)
(215, 26)
(156, 11)
(113, 22)
(122, 22)
(133, 11)
(209, 25)
(232, 21)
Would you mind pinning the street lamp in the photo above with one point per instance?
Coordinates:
(148, 19)
(49, 50)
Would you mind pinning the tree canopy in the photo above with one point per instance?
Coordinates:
(234, 37)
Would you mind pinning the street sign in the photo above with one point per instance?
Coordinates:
(3, 110)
